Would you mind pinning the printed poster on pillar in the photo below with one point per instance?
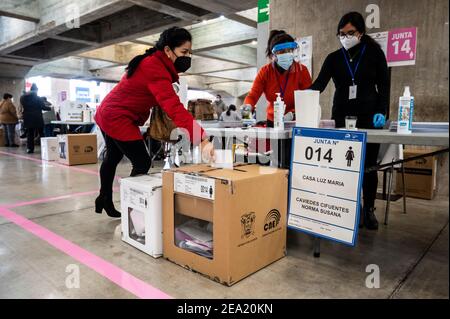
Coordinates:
(327, 168)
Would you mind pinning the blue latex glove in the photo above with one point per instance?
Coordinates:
(379, 120)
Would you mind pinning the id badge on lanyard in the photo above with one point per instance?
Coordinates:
(353, 89)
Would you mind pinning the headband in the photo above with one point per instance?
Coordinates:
(282, 46)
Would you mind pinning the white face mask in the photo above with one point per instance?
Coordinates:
(349, 43)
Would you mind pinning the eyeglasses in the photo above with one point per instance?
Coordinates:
(349, 34)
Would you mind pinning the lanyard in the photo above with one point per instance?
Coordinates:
(282, 91)
(357, 64)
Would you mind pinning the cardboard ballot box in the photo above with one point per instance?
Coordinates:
(225, 224)
(420, 175)
(140, 200)
(77, 149)
(49, 148)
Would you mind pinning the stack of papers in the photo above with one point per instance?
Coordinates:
(195, 237)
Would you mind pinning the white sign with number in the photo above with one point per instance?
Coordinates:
(325, 183)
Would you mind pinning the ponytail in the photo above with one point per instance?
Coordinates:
(172, 37)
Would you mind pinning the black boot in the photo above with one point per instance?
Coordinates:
(370, 220)
(361, 217)
(103, 202)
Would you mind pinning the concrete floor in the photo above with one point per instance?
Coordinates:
(411, 253)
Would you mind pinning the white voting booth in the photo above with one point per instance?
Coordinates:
(141, 205)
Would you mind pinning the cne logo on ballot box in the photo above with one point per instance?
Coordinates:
(327, 168)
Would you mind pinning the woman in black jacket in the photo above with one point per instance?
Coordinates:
(360, 74)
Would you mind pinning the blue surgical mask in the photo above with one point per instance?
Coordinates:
(285, 60)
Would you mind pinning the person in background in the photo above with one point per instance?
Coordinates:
(219, 105)
(48, 117)
(360, 74)
(8, 119)
(230, 115)
(33, 121)
(147, 82)
(283, 75)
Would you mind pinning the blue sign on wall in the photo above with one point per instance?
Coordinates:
(82, 94)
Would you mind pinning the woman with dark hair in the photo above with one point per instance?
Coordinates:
(283, 75)
(360, 74)
(147, 82)
(230, 115)
(272, 35)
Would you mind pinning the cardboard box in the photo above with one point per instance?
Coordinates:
(420, 175)
(246, 212)
(49, 148)
(141, 203)
(77, 149)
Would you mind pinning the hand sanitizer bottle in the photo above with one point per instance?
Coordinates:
(278, 113)
(405, 112)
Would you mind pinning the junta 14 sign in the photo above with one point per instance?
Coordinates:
(399, 46)
(327, 167)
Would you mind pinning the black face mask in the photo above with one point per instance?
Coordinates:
(182, 63)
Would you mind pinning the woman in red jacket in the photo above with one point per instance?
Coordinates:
(147, 82)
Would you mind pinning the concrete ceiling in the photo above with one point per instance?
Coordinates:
(42, 38)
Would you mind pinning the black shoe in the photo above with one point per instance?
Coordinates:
(370, 220)
(14, 145)
(6, 145)
(30, 151)
(101, 203)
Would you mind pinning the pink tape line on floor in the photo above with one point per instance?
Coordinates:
(37, 160)
(115, 274)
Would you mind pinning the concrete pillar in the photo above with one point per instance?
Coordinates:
(261, 59)
(14, 86)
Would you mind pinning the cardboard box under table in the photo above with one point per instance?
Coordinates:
(225, 224)
(420, 175)
(140, 199)
(77, 149)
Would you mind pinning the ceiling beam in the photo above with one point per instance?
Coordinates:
(243, 20)
(164, 8)
(26, 10)
(223, 6)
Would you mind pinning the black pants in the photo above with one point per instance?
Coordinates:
(31, 135)
(370, 183)
(115, 150)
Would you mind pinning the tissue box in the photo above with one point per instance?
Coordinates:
(49, 148)
(140, 201)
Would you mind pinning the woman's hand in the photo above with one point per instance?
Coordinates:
(207, 150)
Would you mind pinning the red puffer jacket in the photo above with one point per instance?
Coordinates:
(128, 105)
